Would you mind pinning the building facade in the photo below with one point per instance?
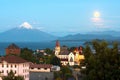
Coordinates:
(18, 65)
(67, 57)
(40, 67)
(13, 49)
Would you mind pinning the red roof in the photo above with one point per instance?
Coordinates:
(40, 65)
(13, 59)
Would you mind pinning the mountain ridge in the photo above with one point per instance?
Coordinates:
(25, 35)
(30, 34)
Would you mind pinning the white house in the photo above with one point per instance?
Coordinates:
(55, 68)
(18, 65)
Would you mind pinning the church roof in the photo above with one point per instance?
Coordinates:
(64, 51)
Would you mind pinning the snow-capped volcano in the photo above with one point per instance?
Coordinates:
(26, 25)
(25, 33)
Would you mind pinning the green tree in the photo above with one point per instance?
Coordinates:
(11, 76)
(103, 64)
(55, 61)
(48, 51)
(66, 72)
(27, 54)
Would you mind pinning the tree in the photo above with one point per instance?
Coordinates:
(48, 51)
(103, 64)
(55, 61)
(66, 72)
(11, 76)
(27, 54)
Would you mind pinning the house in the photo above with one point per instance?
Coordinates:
(13, 49)
(40, 67)
(67, 57)
(41, 72)
(55, 68)
(18, 65)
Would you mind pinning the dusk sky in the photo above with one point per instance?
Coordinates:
(61, 17)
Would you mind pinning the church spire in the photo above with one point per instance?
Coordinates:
(57, 48)
(76, 48)
(57, 44)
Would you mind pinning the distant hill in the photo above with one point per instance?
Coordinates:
(26, 33)
(88, 37)
(22, 34)
(112, 33)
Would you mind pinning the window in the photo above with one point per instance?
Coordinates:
(7, 71)
(15, 72)
(32, 68)
(11, 66)
(15, 65)
(38, 68)
(7, 65)
(2, 65)
(2, 71)
(45, 68)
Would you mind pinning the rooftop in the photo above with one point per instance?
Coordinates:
(64, 51)
(13, 59)
(40, 65)
(13, 46)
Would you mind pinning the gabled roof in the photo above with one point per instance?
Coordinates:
(13, 59)
(64, 51)
(40, 65)
(13, 46)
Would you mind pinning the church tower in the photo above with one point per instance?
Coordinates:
(77, 56)
(57, 48)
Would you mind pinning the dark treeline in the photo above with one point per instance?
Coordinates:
(103, 63)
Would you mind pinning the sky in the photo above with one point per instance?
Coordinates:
(61, 17)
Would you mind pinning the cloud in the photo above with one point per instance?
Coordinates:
(99, 23)
(96, 20)
(26, 25)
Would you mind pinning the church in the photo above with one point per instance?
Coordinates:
(67, 57)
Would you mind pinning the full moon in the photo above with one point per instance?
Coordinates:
(96, 14)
